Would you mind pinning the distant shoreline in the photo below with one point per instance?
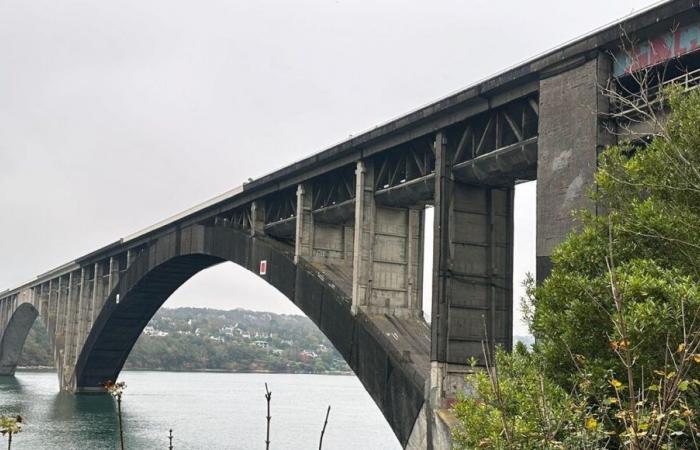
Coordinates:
(52, 369)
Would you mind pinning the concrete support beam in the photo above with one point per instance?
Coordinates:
(472, 274)
(304, 235)
(363, 235)
(87, 288)
(571, 137)
(76, 282)
(441, 249)
(257, 218)
(113, 275)
(97, 293)
(414, 259)
(50, 323)
(62, 304)
(5, 310)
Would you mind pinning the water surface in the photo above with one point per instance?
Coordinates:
(205, 411)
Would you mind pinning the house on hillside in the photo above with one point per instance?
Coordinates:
(261, 344)
(307, 355)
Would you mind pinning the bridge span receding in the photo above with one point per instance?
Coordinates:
(341, 232)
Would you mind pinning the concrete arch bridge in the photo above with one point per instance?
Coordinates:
(341, 233)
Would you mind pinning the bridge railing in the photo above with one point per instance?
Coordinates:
(627, 103)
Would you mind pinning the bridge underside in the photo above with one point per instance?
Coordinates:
(390, 355)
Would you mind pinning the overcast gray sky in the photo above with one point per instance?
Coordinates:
(114, 115)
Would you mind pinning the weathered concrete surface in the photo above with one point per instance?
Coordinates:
(571, 137)
(432, 430)
(388, 354)
(472, 273)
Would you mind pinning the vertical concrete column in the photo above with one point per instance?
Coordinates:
(96, 294)
(87, 286)
(44, 303)
(34, 297)
(257, 217)
(363, 235)
(38, 300)
(129, 258)
(304, 236)
(71, 326)
(571, 137)
(105, 285)
(472, 274)
(4, 314)
(113, 274)
(54, 288)
(441, 249)
(62, 303)
(414, 292)
(440, 275)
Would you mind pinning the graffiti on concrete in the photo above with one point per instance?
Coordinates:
(657, 50)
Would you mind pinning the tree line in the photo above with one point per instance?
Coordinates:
(209, 339)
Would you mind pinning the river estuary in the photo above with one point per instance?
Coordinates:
(205, 410)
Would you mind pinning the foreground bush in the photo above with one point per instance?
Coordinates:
(617, 322)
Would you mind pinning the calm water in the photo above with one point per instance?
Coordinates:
(205, 410)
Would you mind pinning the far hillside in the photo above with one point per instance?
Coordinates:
(210, 339)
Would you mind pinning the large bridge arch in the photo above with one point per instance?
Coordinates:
(390, 378)
(15, 334)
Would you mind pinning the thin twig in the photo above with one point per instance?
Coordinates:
(268, 397)
(323, 430)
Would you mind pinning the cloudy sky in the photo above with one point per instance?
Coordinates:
(114, 115)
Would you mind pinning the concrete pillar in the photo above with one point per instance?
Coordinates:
(414, 260)
(72, 316)
(34, 297)
(44, 303)
(441, 250)
(87, 286)
(304, 236)
(62, 303)
(105, 285)
(363, 235)
(54, 288)
(96, 292)
(113, 275)
(571, 137)
(472, 274)
(257, 218)
(4, 314)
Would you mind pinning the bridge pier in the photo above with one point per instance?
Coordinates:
(363, 234)
(571, 136)
(472, 275)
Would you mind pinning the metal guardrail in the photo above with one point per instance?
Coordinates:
(653, 96)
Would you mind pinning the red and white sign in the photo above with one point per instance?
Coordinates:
(263, 267)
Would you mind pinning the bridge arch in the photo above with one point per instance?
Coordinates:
(14, 336)
(393, 382)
